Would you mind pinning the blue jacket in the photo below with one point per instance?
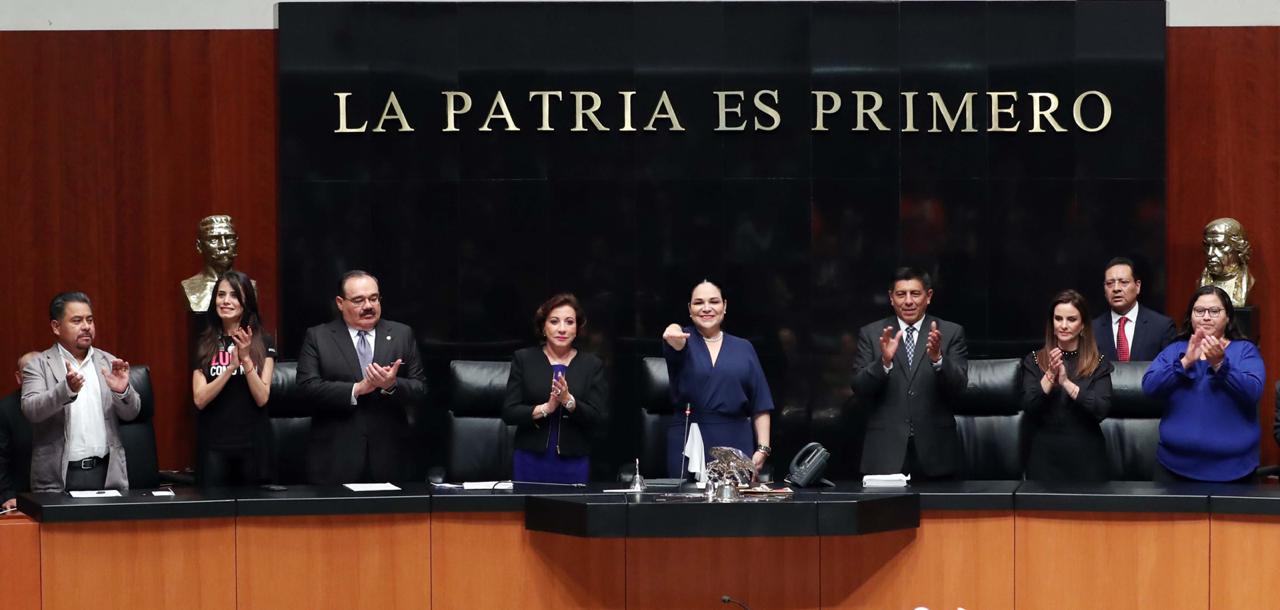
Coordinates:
(1209, 431)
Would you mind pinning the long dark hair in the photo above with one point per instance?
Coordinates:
(211, 339)
(1231, 332)
(1088, 359)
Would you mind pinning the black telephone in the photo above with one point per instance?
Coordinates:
(808, 465)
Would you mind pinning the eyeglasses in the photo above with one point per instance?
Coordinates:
(1121, 283)
(360, 301)
(1212, 312)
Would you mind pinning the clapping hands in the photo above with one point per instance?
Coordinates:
(889, 342)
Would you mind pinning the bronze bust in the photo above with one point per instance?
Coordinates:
(1227, 252)
(216, 241)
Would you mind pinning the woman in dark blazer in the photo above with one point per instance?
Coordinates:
(1066, 393)
(555, 398)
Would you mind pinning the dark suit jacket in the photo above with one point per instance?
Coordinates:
(907, 398)
(530, 384)
(1151, 333)
(15, 448)
(327, 370)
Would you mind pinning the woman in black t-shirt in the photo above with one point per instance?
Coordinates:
(231, 383)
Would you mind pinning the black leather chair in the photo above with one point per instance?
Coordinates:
(479, 443)
(989, 421)
(655, 411)
(290, 425)
(139, 436)
(18, 432)
(1132, 427)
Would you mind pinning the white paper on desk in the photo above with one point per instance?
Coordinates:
(371, 487)
(97, 493)
(488, 485)
(886, 480)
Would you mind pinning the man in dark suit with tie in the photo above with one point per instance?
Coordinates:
(1128, 331)
(907, 369)
(363, 377)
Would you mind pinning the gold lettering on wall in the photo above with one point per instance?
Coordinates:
(342, 115)
(767, 109)
(545, 98)
(664, 110)
(997, 110)
(724, 110)
(966, 106)
(392, 104)
(1038, 111)
(1106, 111)
(499, 110)
(864, 112)
(824, 103)
(626, 110)
(452, 109)
(909, 99)
(588, 112)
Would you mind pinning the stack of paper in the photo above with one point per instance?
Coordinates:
(886, 480)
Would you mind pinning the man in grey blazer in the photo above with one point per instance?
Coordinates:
(75, 395)
(907, 369)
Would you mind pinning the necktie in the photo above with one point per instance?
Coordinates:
(910, 343)
(1122, 343)
(363, 351)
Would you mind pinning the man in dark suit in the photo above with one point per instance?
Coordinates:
(363, 377)
(1128, 331)
(907, 368)
(15, 443)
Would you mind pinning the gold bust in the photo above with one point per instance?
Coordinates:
(1227, 252)
(216, 242)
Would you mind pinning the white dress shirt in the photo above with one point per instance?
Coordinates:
(1132, 316)
(86, 432)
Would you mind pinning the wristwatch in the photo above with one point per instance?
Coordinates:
(573, 402)
(764, 449)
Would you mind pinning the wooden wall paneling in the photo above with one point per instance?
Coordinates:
(20, 556)
(1224, 160)
(489, 560)
(956, 559)
(114, 145)
(334, 561)
(1111, 561)
(665, 573)
(1239, 576)
(141, 565)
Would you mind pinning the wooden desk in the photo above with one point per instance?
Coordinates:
(142, 565)
(20, 556)
(312, 562)
(1112, 561)
(489, 560)
(956, 559)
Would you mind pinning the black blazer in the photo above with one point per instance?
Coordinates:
(906, 398)
(15, 448)
(530, 384)
(1152, 332)
(327, 369)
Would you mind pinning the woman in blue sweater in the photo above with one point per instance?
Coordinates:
(1211, 378)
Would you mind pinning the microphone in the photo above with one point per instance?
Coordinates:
(725, 599)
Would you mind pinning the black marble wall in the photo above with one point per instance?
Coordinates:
(470, 230)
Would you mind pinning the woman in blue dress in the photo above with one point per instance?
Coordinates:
(717, 380)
